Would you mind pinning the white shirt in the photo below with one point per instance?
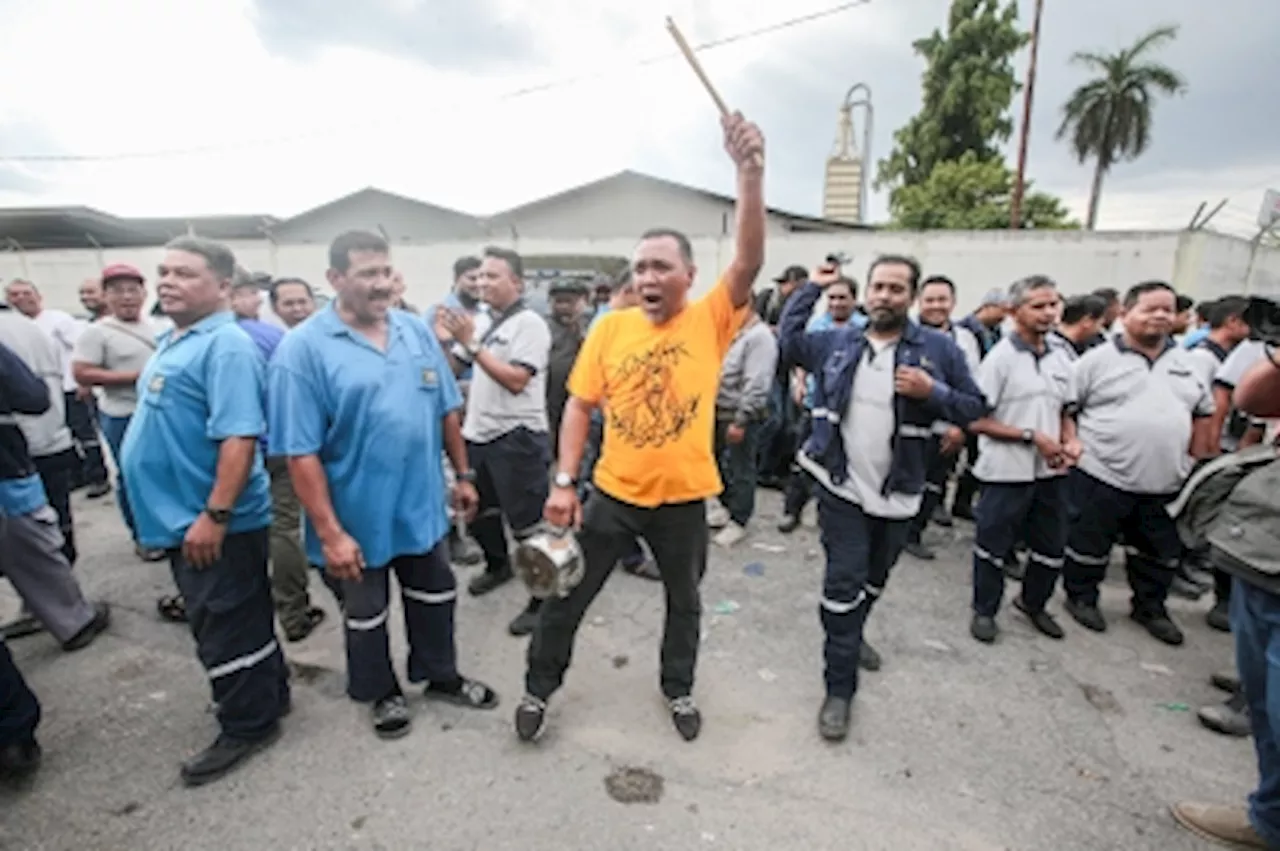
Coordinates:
(64, 330)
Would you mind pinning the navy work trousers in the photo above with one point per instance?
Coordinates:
(1007, 513)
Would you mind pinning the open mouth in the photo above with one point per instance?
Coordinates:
(651, 300)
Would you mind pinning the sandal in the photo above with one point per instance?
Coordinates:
(314, 618)
(172, 608)
(469, 694)
(391, 719)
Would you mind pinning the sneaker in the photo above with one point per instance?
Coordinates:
(225, 754)
(391, 718)
(1230, 718)
(686, 717)
(833, 718)
(918, 550)
(984, 628)
(868, 657)
(465, 552)
(1218, 823)
(731, 534)
(789, 523)
(1219, 616)
(489, 581)
(1041, 620)
(1088, 616)
(717, 514)
(531, 718)
(1160, 627)
(85, 637)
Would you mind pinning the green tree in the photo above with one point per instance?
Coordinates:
(1109, 117)
(973, 194)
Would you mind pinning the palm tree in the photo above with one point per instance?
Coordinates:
(1109, 117)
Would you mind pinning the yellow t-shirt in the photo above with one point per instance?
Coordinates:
(657, 385)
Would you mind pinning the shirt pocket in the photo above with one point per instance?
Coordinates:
(156, 391)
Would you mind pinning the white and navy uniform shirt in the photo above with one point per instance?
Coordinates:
(1228, 375)
(1134, 415)
(1026, 389)
(521, 338)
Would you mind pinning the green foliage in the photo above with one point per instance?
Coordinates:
(973, 194)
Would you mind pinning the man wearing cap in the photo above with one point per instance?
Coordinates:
(985, 324)
(568, 329)
(110, 355)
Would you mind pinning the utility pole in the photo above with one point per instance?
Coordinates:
(1015, 208)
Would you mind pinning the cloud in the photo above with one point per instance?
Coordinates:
(20, 179)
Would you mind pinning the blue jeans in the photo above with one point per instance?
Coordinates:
(1255, 622)
(113, 429)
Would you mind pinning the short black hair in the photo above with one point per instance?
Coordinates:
(354, 240)
(1184, 303)
(513, 260)
(901, 259)
(1138, 290)
(1108, 294)
(845, 280)
(280, 282)
(463, 265)
(1081, 307)
(621, 280)
(1225, 309)
(682, 241)
(220, 259)
(242, 280)
(939, 279)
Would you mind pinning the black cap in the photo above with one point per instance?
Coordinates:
(568, 286)
(792, 274)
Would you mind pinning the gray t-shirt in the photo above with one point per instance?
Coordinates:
(1135, 416)
(1026, 391)
(120, 347)
(492, 410)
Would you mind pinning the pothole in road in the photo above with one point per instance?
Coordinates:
(630, 784)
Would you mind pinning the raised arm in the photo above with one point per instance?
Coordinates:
(745, 144)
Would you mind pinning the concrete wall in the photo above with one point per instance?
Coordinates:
(1203, 265)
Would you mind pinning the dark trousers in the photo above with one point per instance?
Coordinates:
(1255, 623)
(113, 430)
(737, 462)
(512, 481)
(936, 473)
(1099, 514)
(57, 473)
(1006, 514)
(19, 708)
(587, 469)
(860, 550)
(968, 485)
(677, 535)
(799, 483)
(429, 593)
(776, 444)
(82, 420)
(231, 618)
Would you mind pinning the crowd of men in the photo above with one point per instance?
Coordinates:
(365, 440)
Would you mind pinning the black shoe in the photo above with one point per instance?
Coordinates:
(464, 551)
(868, 658)
(524, 623)
(1086, 615)
(222, 756)
(1228, 681)
(833, 718)
(98, 490)
(1218, 617)
(1014, 568)
(788, 524)
(312, 619)
(962, 511)
(489, 581)
(20, 760)
(391, 718)
(21, 627)
(1185, 588)
(1230, 718)
(686, 717)
(918, 550)
(646, 568)
(1041, 620)
(531, 718)
(1160, 627)
(942, 518)
(83, 638)
(984, 629)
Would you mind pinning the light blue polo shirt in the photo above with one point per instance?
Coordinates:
(375, 420)
(198, 389)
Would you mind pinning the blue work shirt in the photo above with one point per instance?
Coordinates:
(1193, 339)
(375, 419)
(266, 338)
(198, 389)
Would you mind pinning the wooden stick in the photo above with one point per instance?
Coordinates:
(692, 59)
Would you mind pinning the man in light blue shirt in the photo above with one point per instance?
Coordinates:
(363, 403)
(199, 491)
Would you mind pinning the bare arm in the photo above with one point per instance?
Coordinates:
(1221, 409)
(235, 460)
(88, 375)
(575, 424)
(512, 377)
(454, 445)
(1203, 444)
(1258, 392)
(746, 146)
(312, 487)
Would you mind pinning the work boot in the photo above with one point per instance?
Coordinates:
(1087, 615)
(984, 628)
(1159, 626)
(1219, 617)
(868, 658)
(490, 580)
(83, 638)
(789, 523)
(1217, 823)
(222, 756)
(918, 550)
(833, 718)
(1230, 718)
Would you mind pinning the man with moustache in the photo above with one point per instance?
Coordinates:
(364, 406)
(877, 395)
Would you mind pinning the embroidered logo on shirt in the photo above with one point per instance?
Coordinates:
(429, 378)
(156, 384)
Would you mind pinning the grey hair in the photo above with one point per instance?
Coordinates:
(1021, 289)
(221, 260)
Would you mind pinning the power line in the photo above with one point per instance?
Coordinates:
(526, 91)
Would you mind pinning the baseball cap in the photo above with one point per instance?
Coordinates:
(568, 286)
(122, 270)
(792, 273)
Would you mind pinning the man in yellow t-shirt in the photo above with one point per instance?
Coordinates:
(654, 370)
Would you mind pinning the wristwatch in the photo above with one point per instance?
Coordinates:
(466, 476)
(1028, 436)
(473, 348)
(221, 516)
(564, 480)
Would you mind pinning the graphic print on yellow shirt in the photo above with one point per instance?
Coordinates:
(657, 387)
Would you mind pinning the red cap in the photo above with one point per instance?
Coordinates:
(122, 270)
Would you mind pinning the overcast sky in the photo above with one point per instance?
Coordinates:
(274, 106)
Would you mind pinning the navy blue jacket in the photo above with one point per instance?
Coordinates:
(21, 392)
(832, 358)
